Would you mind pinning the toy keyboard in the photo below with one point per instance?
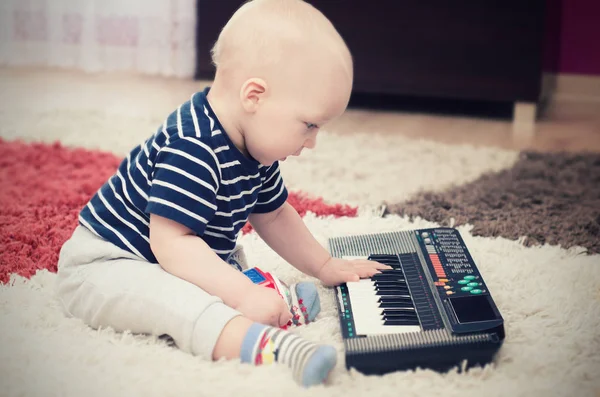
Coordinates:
(432, 310)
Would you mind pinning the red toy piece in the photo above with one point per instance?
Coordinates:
(267, 280)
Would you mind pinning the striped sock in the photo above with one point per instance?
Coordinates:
(310, 363)
(302, 299)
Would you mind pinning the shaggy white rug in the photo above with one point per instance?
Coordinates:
(549, 296)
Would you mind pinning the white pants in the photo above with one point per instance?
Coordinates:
(104, 285)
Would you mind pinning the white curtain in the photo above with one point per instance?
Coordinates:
(145, 36)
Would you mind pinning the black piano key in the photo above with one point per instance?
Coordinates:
(383, 257)
(396, 292)
(392, 292)
(407, 321)
(391, 288)
(400, 311)
(405, 314)
(392, 305)
(401, 322)
(388, 277)
(404, 290)
(412, 319)
(392, 270)
(395, 264)
(389, 272)
(384, 292)
(388, 280)
(391, 300)
(390, 285)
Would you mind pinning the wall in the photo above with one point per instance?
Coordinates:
(573, 37)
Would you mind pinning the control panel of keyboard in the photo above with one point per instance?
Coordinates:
(460, 286)
(450, 263)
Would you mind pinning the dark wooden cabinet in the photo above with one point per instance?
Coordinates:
(461, 49)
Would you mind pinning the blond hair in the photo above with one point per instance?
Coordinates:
(267, 32)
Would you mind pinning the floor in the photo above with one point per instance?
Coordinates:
(571, 124)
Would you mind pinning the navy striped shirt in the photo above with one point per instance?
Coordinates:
(190, 172)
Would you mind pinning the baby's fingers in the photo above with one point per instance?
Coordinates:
(375, 265)
(355, 273)
(285, 317)
(365, 272)
(348, 277)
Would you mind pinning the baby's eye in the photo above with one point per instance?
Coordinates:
(311, 126)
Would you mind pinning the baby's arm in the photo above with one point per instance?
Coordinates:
(286, 233)
(183, 254)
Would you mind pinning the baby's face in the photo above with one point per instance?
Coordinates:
(289, 119)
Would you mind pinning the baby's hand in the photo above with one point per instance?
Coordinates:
(337, 271)
(265, 306)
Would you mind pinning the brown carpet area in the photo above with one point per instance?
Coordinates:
(550, 198)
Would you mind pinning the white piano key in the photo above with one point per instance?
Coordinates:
(366, 287)
(362, 286)
(370, 304)
(367, 313)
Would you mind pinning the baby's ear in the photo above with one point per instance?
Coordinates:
(252, 93)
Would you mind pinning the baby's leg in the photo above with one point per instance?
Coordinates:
(303, 301)
(260, 344)
(106, 286)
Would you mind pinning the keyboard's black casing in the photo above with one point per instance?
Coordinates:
(451, 345)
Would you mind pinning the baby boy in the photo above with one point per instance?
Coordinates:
(150, 252)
